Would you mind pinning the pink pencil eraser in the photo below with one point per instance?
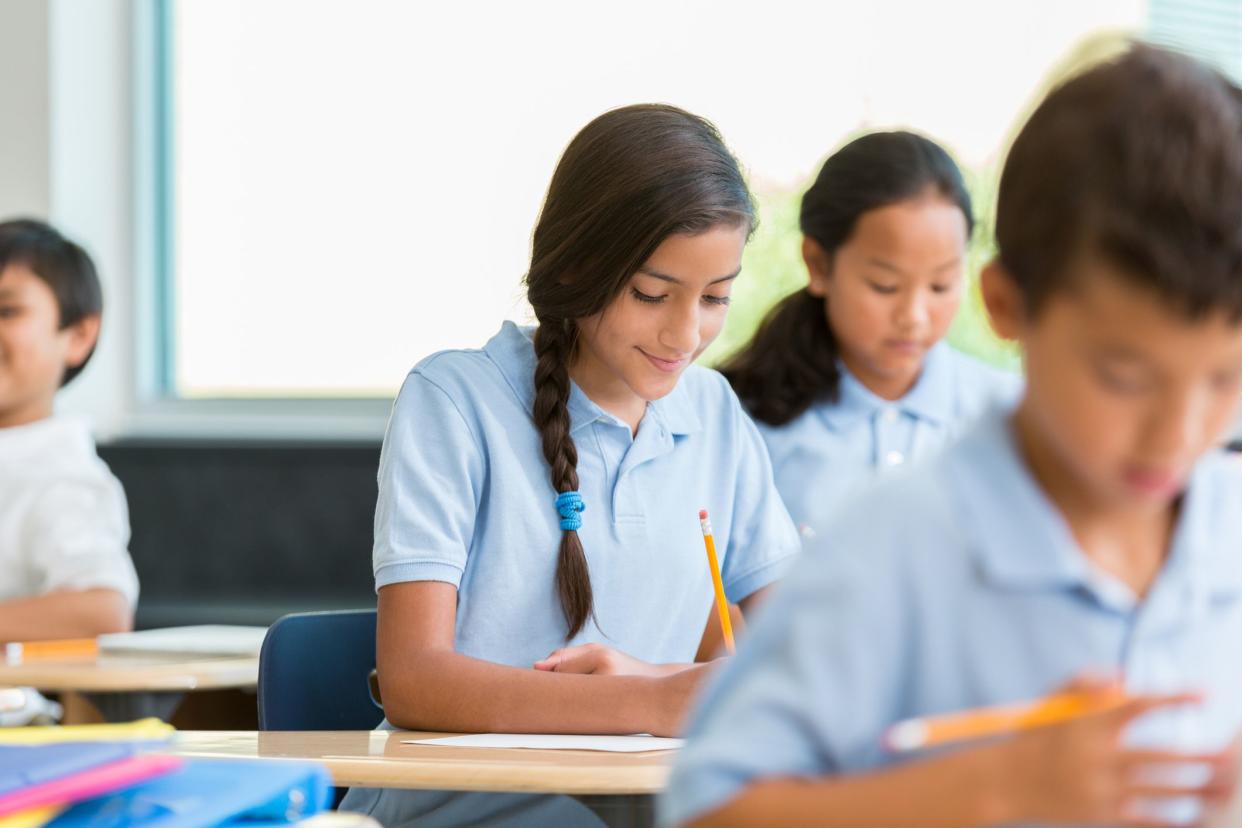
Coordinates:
(702, 514)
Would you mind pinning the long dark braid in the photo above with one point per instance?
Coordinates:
(554, 346)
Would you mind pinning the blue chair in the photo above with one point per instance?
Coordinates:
(314, 672)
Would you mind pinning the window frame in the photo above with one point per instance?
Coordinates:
(156, 409)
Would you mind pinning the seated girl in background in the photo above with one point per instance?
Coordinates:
(538, 554)
(848, 376)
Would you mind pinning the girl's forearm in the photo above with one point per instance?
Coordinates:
(446, 691)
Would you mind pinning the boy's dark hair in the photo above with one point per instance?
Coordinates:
(1136, 163)
(63, 265)
(791, 362)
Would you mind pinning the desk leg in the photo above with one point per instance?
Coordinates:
(622, 811)
(126, 707)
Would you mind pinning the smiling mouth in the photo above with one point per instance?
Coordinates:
(666, 365)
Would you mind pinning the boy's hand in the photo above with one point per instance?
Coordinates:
(1079, 772)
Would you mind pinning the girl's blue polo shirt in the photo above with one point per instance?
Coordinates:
(465, 498)
(833, 448)
(956, 586)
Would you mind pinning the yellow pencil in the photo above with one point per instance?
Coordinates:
(722, 605)
(17, 651)
(913, 734)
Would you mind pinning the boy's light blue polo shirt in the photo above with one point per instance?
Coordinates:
(465, 498)
(956, 586)
(833, 448)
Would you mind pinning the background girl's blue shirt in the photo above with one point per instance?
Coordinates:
(960, 585)
(825, 454)
(465, 498)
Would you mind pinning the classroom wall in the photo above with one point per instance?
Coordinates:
(25, 183)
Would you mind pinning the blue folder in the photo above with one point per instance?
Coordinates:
(24, 765)
(209, 792)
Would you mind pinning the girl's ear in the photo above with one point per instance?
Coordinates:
(818, 266)
(80, 338)
(1003, 299)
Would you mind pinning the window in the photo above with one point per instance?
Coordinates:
(347, 187)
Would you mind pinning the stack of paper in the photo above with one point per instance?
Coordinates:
(640, 743)
(204, 640)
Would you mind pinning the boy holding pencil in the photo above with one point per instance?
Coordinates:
(1095, 531)
(65, 571)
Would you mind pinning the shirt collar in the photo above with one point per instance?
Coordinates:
(1021, 540)
(512, 350)
(1210, 523)
(931, 397)
(1018, 536)
(60, 434)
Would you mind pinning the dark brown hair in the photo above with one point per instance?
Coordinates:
(629, 180)
(791, 362)
(1136, 163)
(62, 265)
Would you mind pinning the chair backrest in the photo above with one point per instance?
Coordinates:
(314, 669)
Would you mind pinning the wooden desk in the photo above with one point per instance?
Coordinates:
(113, 673)
(131, 686)
(379, 759)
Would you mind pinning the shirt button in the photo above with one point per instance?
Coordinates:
(894, 458)
(890, 415)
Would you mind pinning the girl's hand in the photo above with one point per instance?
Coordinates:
(596, 659)
(1079, 771)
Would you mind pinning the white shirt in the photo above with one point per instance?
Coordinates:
(64, 524)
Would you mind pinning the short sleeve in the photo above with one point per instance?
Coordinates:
(763, 540)
(430, 483)
(816, 679)
(77, 537)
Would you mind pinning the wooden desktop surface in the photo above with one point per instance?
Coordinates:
(108, 672)
(379, 759)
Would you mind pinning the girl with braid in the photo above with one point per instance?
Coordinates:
(538, 555)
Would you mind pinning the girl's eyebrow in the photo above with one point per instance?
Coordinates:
(892, 268)
(664, 277)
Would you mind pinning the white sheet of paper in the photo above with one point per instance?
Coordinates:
(552, 741)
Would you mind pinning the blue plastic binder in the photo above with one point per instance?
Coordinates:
(209, 792)
(25, 765)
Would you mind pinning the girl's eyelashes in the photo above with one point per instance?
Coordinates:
(646, 297)
(655, 300)
(889, 290)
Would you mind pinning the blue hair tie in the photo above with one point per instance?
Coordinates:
(568, 506)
